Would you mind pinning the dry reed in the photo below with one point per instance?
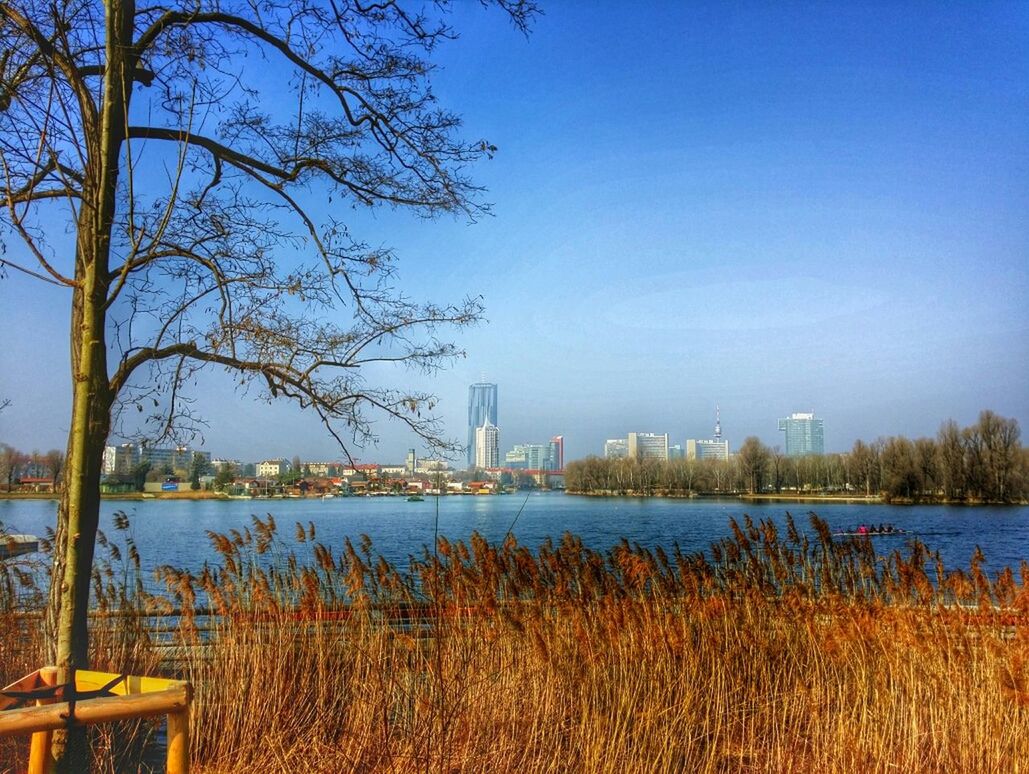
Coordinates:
(772, 653)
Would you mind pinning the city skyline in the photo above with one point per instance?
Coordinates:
(757, 208)
(774, 438)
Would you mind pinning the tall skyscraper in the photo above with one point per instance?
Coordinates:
(804, 434)
(556, 452)
(487, 446)
(482, 407)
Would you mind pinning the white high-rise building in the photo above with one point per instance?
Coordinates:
(714, 449)
(648, 446)
(707, 450)
(487, 446)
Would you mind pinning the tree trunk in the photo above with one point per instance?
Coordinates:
(78, 519)
(79, 510)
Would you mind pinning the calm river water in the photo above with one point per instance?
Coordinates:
(175, 531)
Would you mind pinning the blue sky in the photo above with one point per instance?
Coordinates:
(772, 209)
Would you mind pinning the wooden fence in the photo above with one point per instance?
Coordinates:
(97, 697)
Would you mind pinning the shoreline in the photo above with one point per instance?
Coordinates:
(869, 499)
(201, 495)
(797, 498)
(745, 498)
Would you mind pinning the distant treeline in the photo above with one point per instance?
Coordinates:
(985, 462)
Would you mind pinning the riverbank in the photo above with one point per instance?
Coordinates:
(842, 499)
(824, 498)
(781, 497)
(763, 498)
(134, 496)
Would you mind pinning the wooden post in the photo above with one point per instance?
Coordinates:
(39, 747)
(178, 742)
(39, 752)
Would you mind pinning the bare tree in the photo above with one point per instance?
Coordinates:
(864, 464)
(54, 460)
(951, 451)
(753, 458)
(8, 464)
(201, 153)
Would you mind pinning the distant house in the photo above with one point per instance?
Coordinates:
(263, 487)
(272, 468)
(34, 484)
(321, 485)
(371, 470)
(322, 469)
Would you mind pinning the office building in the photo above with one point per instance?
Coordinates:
(482, 409)
(411, 464)
(715, 448)
(526, 455)
(804, 434)
(557, 453)
(178, 459)
(647, 446)
(616, 448)
(518, 457)
(487, 446)
(536, 456)
(707, 450)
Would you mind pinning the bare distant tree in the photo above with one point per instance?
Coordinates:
(9, 457)
(203, 154)
(753, 457)
(54, 461)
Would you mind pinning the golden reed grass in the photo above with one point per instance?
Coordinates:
(800, 653)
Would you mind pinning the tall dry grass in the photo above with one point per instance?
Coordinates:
(793, 652)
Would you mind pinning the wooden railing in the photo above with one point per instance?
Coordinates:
(98, 697)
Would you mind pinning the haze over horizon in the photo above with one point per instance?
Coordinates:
(769, 209)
